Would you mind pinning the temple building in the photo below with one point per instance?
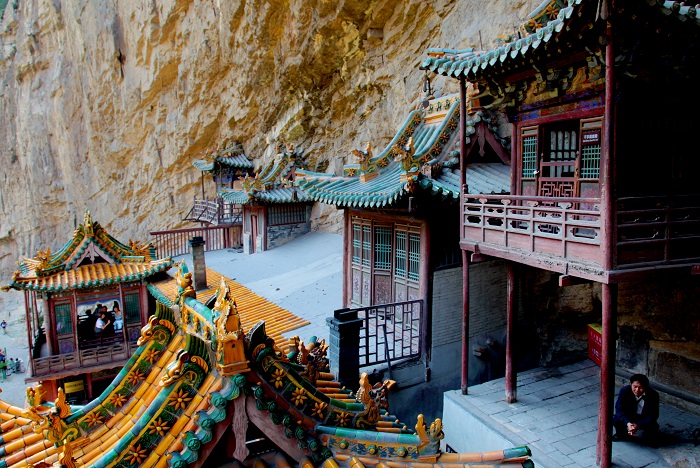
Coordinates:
(67, 292)
(402, 262)
(210, 386)
(603, 218)
(227, 168)
(274, 210)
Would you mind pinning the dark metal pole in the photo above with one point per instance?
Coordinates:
(511, 376)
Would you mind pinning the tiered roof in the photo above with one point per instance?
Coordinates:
(231, 156)
(273, 184)
(421, 156)
(92, 258)
(199, 375)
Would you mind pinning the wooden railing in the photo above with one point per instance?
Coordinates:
(175, 242)
(104, 354)
(654, 231)
(215, 211)
(562, 227)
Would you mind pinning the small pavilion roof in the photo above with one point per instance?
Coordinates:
(92, 258)
(231, 156)
(272, 184)
(431, 164)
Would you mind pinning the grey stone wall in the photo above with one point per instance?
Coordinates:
(278, 235)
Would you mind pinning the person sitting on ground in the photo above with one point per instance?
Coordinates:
(101, 323)
(636, 411)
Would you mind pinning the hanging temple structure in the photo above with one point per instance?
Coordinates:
(200, 389)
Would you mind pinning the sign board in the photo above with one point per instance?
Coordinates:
(72, 387)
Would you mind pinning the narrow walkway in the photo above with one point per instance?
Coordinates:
(556, 416)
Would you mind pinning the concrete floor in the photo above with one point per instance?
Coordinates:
(556, 415)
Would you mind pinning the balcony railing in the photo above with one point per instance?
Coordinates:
(657, 231)
(215, 211)
(390, 332)
(110, 351)
(562, 227)
(175, 242)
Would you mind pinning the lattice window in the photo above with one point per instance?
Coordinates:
(366, 244)
(356, 244)
(382, 248)
(64, 323)
(529, 156)
(286, 214)
(414, 257)
(590, 162)
(562, 149)
(400, 255)
(132, 308)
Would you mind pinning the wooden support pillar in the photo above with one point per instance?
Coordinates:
(511, 315)
(465, 321)
(607, 376)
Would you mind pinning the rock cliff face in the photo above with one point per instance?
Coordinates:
(104, 104)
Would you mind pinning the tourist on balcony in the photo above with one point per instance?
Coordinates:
(636, 412)
(101, 323)
(118, 319)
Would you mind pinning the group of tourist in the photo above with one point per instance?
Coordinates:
(101, 322)
(12, 365)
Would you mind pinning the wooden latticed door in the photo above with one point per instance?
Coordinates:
(561, 159)
(407, 263)
(361, 262)
(65, 339)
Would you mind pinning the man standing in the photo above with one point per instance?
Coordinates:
(636, 411)
(3, 324)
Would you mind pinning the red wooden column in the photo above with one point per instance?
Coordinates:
(608, 243)
(511, 314)
(607, 376)
(465, 321)
(465, 254)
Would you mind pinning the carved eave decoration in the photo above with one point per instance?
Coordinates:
(230, 337)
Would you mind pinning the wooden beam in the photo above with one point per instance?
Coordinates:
(479, 258)
(568, 280)
(607, 376)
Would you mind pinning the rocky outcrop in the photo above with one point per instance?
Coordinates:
(103, 105)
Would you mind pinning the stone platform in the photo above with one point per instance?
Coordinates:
(556, 415)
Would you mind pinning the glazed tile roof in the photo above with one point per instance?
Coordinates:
(549, 20)
(273, 184)
(232, 156)
(384, 179)
(253, 307)
(92, 258)
(201, 374)
(544, 24)
(92, 275)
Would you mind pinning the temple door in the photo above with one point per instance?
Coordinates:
(253, 233)
(407, 263)
(381, 276)
(361, 280)
(65, 338)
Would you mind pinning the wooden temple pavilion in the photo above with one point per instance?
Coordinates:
(401, 244)
(227, 167)
(64, 293)
(207, 388)
(274, 210)
(603, 181)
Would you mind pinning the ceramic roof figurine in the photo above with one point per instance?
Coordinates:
(421, 156)
(92, 258)
(199, 379)
(273, 183)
